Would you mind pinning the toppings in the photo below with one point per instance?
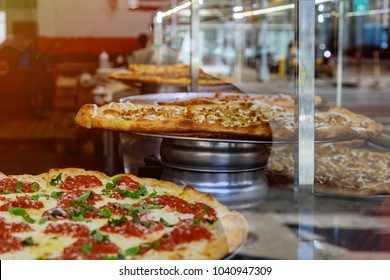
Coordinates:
(88, 217)
(9, 243)
(13, 227)
(125, 186)
(13, 185)
(78, 197)
(22, 202)
(22, 213)
(57, 180)
(185, 231)
(90, 248)
(198, 209)
(71, 229)
(132, 228)
(81, 182)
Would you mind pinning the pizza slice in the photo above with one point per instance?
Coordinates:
(176, 74)
(280, 99)
(254, 120)
(340, 168)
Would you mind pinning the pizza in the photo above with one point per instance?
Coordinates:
(79, 214)
(176, 74)
(252, 119)
(340, 168)
(280, 99)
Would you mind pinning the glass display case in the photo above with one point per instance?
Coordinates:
(315, 70)
(333, 50)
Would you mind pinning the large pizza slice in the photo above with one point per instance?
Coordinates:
(280, 99)
(176, 74)
(252, 119)
(77, 214)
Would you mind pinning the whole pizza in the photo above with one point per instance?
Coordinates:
(78, 214)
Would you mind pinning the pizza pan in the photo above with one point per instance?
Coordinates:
(237, 190)
(352, 197)
(213, 156)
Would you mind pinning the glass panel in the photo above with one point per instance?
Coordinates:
(323, 61)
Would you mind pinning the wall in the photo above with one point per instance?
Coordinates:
(89, 26)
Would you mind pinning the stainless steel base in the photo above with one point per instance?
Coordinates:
(237, 190)
(231, 172)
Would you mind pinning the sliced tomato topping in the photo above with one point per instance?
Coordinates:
(68, 229)
(12, 185)
(6, 228)
(127, 182)
(22, 202)
(131, 228)
(81, 182)
(184, 232)
(198, 209)
(73, 198)
(9, 243)
(88, 248)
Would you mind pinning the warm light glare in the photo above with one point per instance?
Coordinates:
(160, 15)
(270, 10)
(237, 9)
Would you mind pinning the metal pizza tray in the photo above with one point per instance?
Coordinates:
(373, 197)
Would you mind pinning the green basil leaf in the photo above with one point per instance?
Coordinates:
(28, 219)
(153, 194)
(165, 223)
(132, 251)
(18, 187)
(43, 220)
(77, 216)
(106, 213)
(57, 180)
(86, 249)
(154, 245)
(35, 197)
(17, 211)
(28, 241)
(35, 187)
(112, 184)
(83, 197)
(100, 237)
(56, 195)
(117, 222)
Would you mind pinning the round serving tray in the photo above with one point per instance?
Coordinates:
(378, 197)
(282, 141)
